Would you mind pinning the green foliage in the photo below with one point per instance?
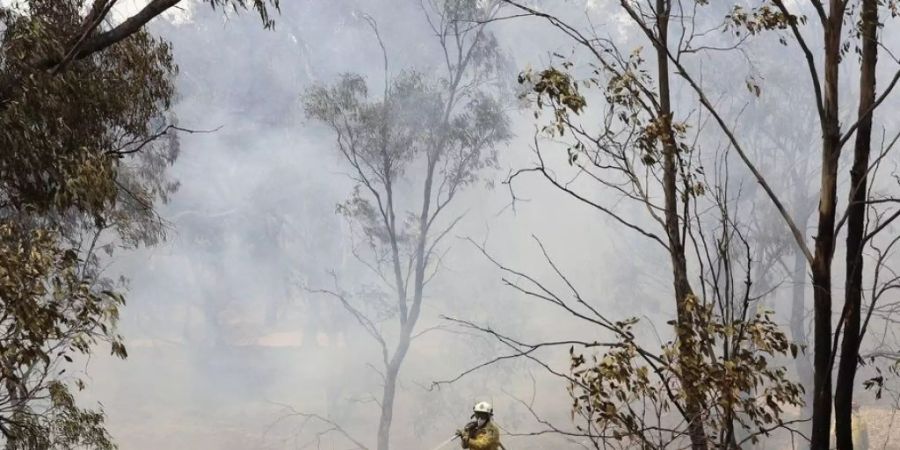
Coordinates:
(61, 424)
(71, 137)
(45, 300)
(260, 6)
(634, 129)
(721, 363)
(84, 160)
(766, 17)
(436, 134)
(558, 89)
(626, 393)
(448, 126)
(50, 313)
(383, 138)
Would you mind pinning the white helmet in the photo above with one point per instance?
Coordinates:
(484, 407)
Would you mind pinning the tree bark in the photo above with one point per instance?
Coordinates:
(843, 394)
(387, 406)
(824, 251)
(683, 291)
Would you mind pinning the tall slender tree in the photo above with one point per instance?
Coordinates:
(856, 228)
(437, 133)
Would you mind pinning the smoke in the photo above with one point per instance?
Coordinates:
(229, 351)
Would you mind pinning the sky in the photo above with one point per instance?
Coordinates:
(224, 342)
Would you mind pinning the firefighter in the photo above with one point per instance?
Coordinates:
(481, 433)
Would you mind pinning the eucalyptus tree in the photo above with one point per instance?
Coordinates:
(438, 133)
(645, 151)
(87, 134)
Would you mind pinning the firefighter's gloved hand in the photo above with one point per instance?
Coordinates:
(463, 438)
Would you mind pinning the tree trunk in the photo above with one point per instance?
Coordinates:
(409, 317)
(389, 393)
(391, 375)
(843, 393)
(687, 348)
(387, 406)
(821, 264)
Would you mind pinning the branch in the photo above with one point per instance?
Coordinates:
(98, 12)
(682, 71)
(121, 152)
(551, 429)
(820, 10)
(871, 109)
(312, 416)
(568, 283)
(881, 226)
(440, 237)
(807, 53)
(520, 348)
(869, 170)
(363, 320)
(543, 171)
(583, 40)
(108, 38)
(545, 294)
(777, 426)
(387, 79)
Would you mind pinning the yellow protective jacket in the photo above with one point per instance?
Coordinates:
(485, 438)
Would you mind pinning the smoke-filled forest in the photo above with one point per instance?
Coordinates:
(437, 224)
